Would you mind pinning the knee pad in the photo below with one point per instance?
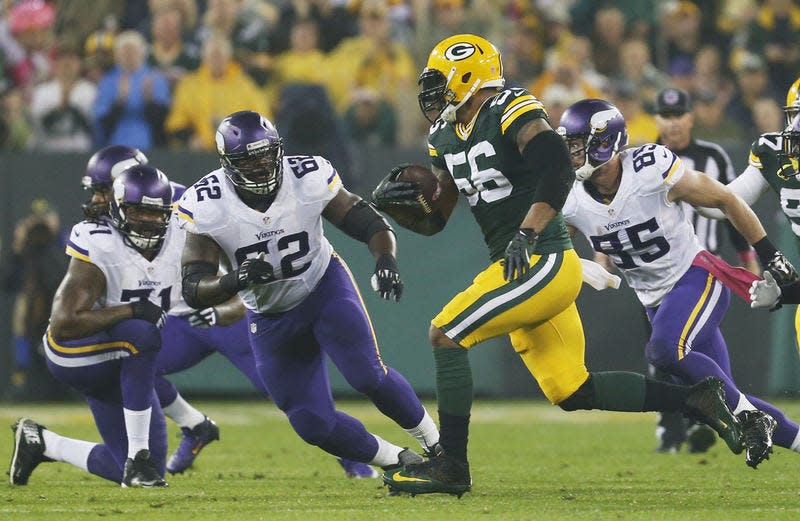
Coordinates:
(661, 353)
(582, 398)
(366, 381)
(310, 426)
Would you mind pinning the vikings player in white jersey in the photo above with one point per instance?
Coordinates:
(188, 335)
(264, 212)
(626, 202)
(104, 337)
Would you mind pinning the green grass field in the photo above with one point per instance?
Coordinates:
(530, 461)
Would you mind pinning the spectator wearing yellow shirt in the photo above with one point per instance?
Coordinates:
(203, 98)
(372, 60)
(303, 62)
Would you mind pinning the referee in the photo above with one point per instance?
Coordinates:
(675, 120)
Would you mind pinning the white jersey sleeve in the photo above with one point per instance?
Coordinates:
(90, 240)
(655, 167)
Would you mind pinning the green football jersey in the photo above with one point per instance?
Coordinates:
(765, 155)
(488, 169)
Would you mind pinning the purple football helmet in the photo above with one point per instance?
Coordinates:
(141, 205)
(103, 167)
(595, 131)
(251, 152)
(177, 191)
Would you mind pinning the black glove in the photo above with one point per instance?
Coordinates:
(518, 254)
(251, 271)
(203, 318)
(146, 310)
(781, 269)
(386, 279)
(391, 192)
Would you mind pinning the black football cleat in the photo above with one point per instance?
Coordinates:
(439, 474)
(28, 451)
(757, 427)
(706, 404)
(140, 472)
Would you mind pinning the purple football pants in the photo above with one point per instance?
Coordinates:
(686, 341)
(114, 370)
(185, 346)
(291, 351)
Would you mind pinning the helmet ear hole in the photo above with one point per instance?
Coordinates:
(465, 78)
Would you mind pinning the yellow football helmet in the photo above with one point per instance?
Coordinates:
(792, 107)
(457, 68)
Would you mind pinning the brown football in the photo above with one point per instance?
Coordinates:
(428, 184)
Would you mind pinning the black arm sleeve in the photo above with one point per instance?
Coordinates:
(790, 294)
(191, 275)
(362, 221)
(547, 155)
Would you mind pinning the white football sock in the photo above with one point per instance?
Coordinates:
(388, 454)
(182, 413)
(796, 443)
(426, 432)
(68, 450)
(744, 405)
(137, 424)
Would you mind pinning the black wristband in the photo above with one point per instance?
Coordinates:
(230, 282)
(530, 234)
(387, 261)
(765, 250)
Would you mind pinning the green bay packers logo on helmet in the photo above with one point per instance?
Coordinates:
(458, 67)
(459, 51)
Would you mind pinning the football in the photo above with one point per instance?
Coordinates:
(428, 184)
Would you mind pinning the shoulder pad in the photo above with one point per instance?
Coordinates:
(314, 175)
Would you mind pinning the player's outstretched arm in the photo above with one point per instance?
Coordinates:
(749, 186)
(72, 315)
(361, 221)
(701, 190)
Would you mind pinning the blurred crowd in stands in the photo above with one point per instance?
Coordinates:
(77, 75)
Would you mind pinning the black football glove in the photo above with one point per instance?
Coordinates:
(781, 269)
(386, 279)
(146, 310)
(391, 192)
(203, 318)
(518, 254)
(251, 271)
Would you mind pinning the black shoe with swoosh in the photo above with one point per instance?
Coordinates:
(437, 475)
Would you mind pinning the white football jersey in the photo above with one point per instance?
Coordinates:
(129, 276)
(289, 232)
(649, 238)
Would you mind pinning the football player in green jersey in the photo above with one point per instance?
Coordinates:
(496, 147)
(773, 165)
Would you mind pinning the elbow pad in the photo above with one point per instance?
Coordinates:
(191, 275)
(362, 221)
(547, 155)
